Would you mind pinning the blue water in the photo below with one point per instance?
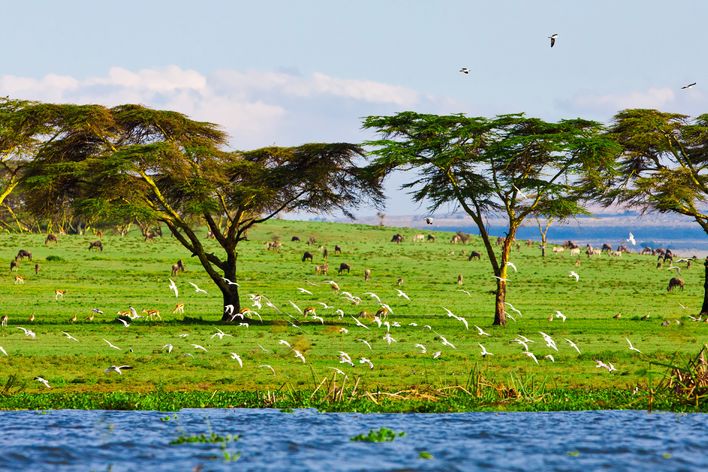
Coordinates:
(685, 239)
(307, 440)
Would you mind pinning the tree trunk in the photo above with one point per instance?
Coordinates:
(499, 309)
(229, 291)
(704, 310)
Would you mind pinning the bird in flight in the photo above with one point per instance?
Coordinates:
(111, 345)
(631, 347)
(512, 265)
(201, 348)
(422, 348)
(574, 275)
(364, 341)
(481, 332)
(168, 347)
(69, 336)
(173, 287)
(445, 342)
(688, 86)
(266, 366)
(631, 239)
(345, 358)
(300, 356)
(484, 352)
(117, 369)
(401, 293)
(531, 355)
(28, 332)
(553, 39)
(237, 358)
(465, 71)
(366, 361)
(437, 354)
(429, 220)
(560, 315)
(572, 344)
(359, 323)
(125, 322)
(43, 381)
(197, 289)
(304, 290)
(230, 282)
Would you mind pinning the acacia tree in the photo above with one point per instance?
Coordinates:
(510, 165)
(663, 166)
(134, 162)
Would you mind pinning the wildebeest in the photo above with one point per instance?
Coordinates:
(430, 238)
(307, 256)
(295, 239)
(178, 267)
(474, 255)
(337, 249)
(569, 245)
(96, 245)
(397, 238)
(342, 267)
(675, 282)
(13, 265)
(324, 253)
(647, 251)
(606, 248)
(51, 238)
(22, 254)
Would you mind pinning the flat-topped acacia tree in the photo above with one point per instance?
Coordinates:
(511, 165)
(136, 162)
(663, 166)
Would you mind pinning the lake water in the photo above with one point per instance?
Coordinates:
(306, 440)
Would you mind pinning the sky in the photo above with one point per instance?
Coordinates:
(289, 72)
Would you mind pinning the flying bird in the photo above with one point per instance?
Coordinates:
(549, 357)
(531, 355)
(345, 358)
(237, 358)
(366, 361)
(364, 341)
(285, 343)
(549, 341)
(631, 239)
(513, 309)
(111, 345)
(230, 282)
(168, 347)
(2, 349)
(299, 355)
(173, 287)
(422, 348)
(484, 352)
(465, 71)
(28, 332)
(201, 348)
(437, 354)
(43, 381)
(501, 279)
(445, 342)
(197, 289)
(512, 265)
(688, 86)
(481, 332)
(359, 323)
(219, 334)
(631, 347)
(560, 315)
(574, 275)
(401, 293)
(430, 220)
(125, 322)
(69, 336)
(572, 344)
(389, 339)
(304, 290)
(338, 371)
(553, 39)
(117, 368)
(266, 366)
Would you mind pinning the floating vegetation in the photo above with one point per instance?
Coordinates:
(212, 438)
(425, 455)
(380, 435)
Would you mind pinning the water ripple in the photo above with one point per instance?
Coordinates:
(306, 440)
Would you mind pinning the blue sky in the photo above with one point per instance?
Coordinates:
(289, 72)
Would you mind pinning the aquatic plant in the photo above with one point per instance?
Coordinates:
(379, 435)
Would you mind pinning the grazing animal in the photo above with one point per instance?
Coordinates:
(675, 282)
(418, 238)
(383, 312)
(474, 255)
(558, 249)
(19, 280)
(36, 269)
(321, 269)
(22, 254)
(342, 267)
(4, 320)
(307, 256)
(178, 267)
(13, 265)
(311, 240)
(295, 239)
(59, 294)
(367, 274)
(459, 279)
(324, 253)
(96, 245)
(606, 248)
(179, 308)
(274, 245)
(397, 238)
(430, 238)
(575, 251)
(337, 249)
(152, 314)
(51, 238)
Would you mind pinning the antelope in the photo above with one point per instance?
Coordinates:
(51, 238)
(321, 269)
(178, 267)
(337, 249)
(152, 314)
(13, 266)
(96, 245)
(59, 294)
(179, 308)
(367, 274)
(309, 310)
(19, 280)
(73, 319)
(382, 312)
(31, 318)
(3, 320)
(459, 279)
(36, 269)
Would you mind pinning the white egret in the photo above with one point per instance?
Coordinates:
(481, 332)
(117, 368)
(173, 287)
(199, 347)
(484, 352)
(237, 358)
(197, 289)
(69, 336)
(366, 361)
(111, 345)
(572, 344)
(43, 381)
(631, 347)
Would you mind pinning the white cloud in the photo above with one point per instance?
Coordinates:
(256, 108)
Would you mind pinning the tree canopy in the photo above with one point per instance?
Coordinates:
(511, 166)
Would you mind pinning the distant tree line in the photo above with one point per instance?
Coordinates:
(69, 168)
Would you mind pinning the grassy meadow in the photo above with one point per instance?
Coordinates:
(132, 272)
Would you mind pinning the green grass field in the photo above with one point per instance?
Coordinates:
(132, 272)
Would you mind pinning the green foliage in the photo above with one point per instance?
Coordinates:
(212, 438)
(379, 435)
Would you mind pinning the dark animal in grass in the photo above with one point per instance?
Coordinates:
(324, 253)
(178, 267)
(22, 254)
(606, 248)
(430, 238)
(36, 269)
(342, 267)
(307, 256)
(295, 239)
(13, 265)
(337, 249)
(51, 238)
(474, 255)
(96, 245)
(397, 238)
(675, 282)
